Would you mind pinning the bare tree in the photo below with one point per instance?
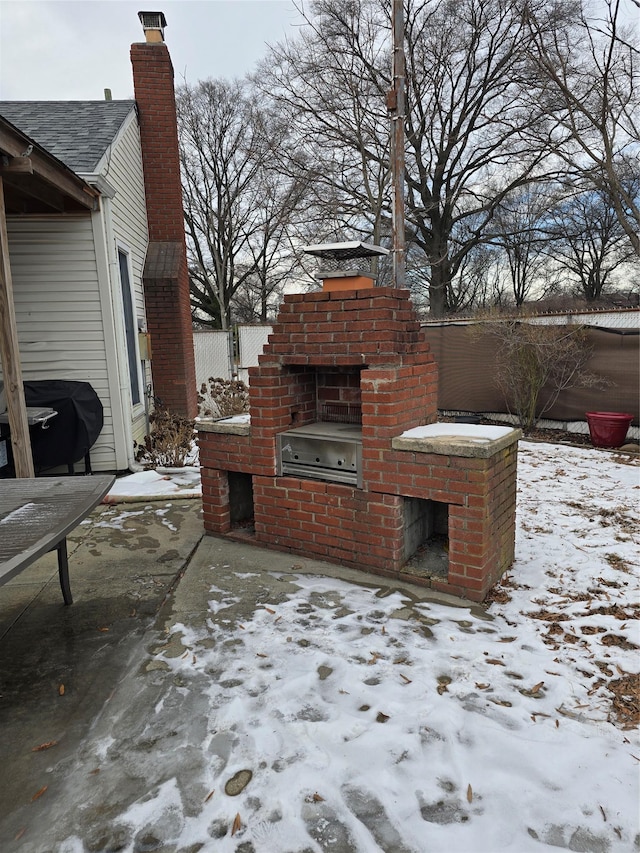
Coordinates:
(519, 229)
(338, 125)
(466, 70)
(237, 211)
(589, 242)
(590, 74)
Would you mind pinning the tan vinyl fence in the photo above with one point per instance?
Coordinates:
(466, 362)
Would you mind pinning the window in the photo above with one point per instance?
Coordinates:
(130, 326)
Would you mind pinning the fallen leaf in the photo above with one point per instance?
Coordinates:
(269, 610)
(133, 612)
(209, 795)
(61, 690)
(39, 793)
(381, 718)
(482, 686)
(383, 630)
(237, 824)
(604, 816)
(260, 655)
(537, 687)
(46, 745)
(103, 629)
(469, 794)
(185, 655)
(19, 834)
(495, 662)
(194, 659)
(314, 798)
(405, 679)
(557, 724)
(94, 772)
(277, 620)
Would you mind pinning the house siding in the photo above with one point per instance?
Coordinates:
(122, 168)
(58, 309)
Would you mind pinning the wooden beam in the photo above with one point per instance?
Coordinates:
(30, 186)
(10, 359)
(47, 167)
(16, 165)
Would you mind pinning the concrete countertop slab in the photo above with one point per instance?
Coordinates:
(235, 425)
(475, 441)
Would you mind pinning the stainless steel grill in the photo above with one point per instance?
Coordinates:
(322, 451)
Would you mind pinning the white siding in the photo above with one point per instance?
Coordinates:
(58, 309)
(123, 170)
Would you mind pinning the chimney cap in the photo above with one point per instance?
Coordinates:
(153, 21)
(345, 251)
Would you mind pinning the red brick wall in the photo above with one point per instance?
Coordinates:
(331, 521)
(167, 300)
(155, 96)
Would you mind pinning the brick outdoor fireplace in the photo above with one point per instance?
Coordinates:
(342, 458)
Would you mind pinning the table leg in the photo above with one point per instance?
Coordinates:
(63, 571)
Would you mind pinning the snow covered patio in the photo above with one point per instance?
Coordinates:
(281, 705)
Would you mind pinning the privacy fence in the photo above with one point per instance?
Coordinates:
(467, 368)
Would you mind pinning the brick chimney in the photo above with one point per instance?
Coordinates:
(166, 278)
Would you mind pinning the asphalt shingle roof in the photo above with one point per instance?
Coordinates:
(76, 132)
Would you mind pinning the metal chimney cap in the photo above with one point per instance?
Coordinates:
(152, 20)
(345, 251)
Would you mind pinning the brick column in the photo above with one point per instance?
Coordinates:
(166, 278)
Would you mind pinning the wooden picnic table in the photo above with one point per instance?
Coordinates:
(36, 514)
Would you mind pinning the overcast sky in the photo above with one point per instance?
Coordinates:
(75, 49)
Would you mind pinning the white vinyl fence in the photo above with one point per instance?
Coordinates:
(251, 341)
(213, 352)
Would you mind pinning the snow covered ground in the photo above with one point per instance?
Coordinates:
(341, 717)
(158, 484)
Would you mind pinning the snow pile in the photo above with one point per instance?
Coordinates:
(161, 484)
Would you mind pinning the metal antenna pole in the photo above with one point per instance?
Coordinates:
(396, 106)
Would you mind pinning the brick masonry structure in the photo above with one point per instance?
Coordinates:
(426, 489)
(166, 279)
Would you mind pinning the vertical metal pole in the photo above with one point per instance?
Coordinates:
(397, 115)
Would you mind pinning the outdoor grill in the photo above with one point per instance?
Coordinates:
(322, 451)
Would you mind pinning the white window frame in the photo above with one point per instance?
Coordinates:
(130, 336)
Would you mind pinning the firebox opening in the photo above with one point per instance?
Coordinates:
(426, 538)
(240, 499)
(338, 395)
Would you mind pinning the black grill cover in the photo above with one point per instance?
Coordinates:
(73, 432)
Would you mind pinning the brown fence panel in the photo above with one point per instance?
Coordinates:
(467, 367)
